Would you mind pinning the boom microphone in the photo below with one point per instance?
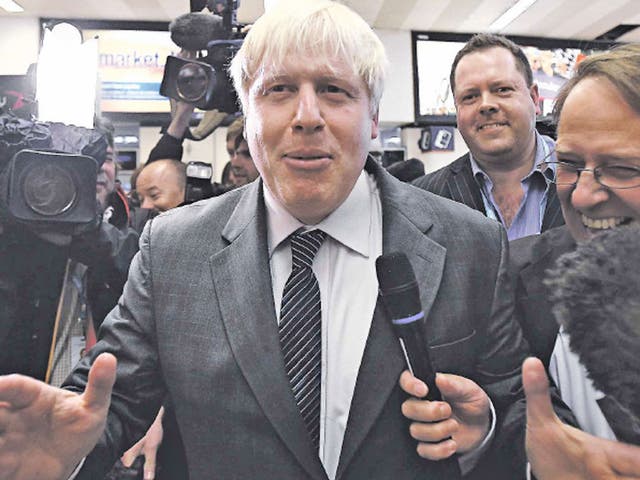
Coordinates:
(401, 297)
(193, 31)
(594, 295)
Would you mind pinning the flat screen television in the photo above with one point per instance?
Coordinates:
(131, 60)
(552, 61)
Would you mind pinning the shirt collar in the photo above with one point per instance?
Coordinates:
(544, 146)
(349, 224)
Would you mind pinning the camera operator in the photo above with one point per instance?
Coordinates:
(169, 149)
(56, 284)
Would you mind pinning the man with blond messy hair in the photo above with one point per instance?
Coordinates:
(257, 311)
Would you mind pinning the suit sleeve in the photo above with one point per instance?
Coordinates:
(499, 373)
(500, 357)
(128, 333)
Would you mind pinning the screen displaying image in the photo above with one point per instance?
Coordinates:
(552, 62)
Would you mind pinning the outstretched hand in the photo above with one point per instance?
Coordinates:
(45, 431)
(556, 450)
(458, 424)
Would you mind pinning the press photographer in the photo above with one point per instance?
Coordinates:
(62, 264)
(194, 80)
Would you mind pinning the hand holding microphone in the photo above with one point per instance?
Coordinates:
(451, 414)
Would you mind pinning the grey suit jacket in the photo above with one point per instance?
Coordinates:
(455, 181)
(197, 320)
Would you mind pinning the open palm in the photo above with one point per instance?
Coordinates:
(46, 431)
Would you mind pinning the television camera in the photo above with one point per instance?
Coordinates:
(48, 175)
(203, 81)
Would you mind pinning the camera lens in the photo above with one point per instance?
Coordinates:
(48, 190)
(192, 82)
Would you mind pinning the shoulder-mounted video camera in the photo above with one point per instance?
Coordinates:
(48, 174)
(204, 81)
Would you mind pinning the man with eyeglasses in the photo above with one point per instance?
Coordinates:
(598, 183)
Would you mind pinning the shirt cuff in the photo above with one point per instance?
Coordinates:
(74, 474)
(469, 460)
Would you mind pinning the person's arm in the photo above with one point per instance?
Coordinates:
(170, 144)
(45, 431)
(181, 116)
(556, 450)
(107, 250)
(129, 333)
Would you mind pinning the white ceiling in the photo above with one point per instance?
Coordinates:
(577, 19)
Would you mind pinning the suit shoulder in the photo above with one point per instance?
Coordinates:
(453, 219)
(210, 214)
(436, 181)
(526, 250)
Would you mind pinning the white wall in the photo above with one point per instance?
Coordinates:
(19, 44)
(396, 106)
(432, 160)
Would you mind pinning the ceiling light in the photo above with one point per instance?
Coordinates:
(11, 6)
(511, 14)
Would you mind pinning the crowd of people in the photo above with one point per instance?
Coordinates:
(243, 336)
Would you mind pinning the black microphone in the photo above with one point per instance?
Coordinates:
(401, 298)
(193, 31)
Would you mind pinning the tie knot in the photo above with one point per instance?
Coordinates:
(305, 246)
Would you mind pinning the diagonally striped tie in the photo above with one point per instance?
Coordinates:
(300, 329)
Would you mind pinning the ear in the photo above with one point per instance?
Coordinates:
(535, 96)
(374, 125)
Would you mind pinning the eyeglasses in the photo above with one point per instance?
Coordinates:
(611, 176)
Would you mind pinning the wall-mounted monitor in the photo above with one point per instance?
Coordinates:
(131, 63)
(552, 62)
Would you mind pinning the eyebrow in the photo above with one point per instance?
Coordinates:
(606, 156)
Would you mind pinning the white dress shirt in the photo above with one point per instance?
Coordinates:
(345, 269)
(576, 388)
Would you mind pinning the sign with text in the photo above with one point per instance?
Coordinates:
(131, 65)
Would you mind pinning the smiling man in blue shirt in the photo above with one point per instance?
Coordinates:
(496, 103)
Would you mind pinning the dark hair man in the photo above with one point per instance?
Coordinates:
(242, 166)
(598, 180)
(496, 104)
(209, 312)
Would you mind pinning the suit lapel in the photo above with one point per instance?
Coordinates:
(543, 255)
(404, 225)
(553, 212)
(251, 326)
(462, 185)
